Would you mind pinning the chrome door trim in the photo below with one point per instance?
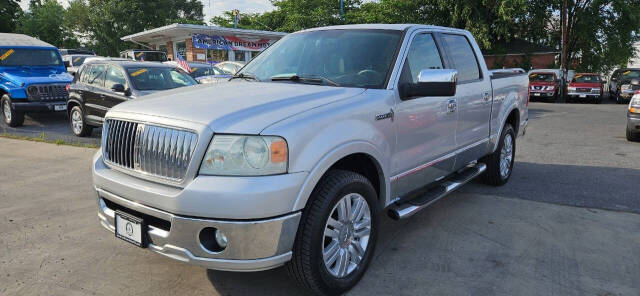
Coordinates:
(440, 159)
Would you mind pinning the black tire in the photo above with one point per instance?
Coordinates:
(633, 137)
(492, 175)
(307, 265)
(11, 117)
(83, 130)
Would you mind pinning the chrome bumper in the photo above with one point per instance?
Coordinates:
(252, 245)
(578, 94)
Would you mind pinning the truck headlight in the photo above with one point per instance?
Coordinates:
(634, 105)
(236, 155)
(550, 87)
(571, 89)
(625, 87)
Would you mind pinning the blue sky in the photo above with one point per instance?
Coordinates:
(216, 8)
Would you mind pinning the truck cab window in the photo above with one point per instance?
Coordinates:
(463, 57)
(423, 54)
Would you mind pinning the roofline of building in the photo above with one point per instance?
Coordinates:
(200, 27)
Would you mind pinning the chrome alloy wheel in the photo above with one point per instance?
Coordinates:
(506, 156)
(6, 109)
(76, 121)
(346, 235)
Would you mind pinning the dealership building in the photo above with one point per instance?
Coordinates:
(206, 43)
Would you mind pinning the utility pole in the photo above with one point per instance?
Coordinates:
(564, 20)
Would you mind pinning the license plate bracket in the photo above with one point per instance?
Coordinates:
(131, 229)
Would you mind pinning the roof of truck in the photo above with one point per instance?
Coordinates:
(398, 27)
(10, 39)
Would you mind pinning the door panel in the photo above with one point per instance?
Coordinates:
(94, 81)
(114, 75)
(474, 99)
(425, 127)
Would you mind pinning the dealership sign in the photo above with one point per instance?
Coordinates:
(229, 43)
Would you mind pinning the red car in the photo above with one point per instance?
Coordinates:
(585, 87)
(544, 85)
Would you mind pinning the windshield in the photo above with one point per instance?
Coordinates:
(586, 78)
(353, 58)
(199, 71)
(150, 56)
(543, 77)
(630, 74)
(29, 57)
(159, 78)
(78, 60)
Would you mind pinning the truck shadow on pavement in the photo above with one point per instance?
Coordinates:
(270, 282)
(607, 188)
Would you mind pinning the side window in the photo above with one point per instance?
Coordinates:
(84, 75)
(114, 76)
(423, 54)
(96, 75)
(463, 57)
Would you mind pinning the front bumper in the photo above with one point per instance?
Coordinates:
(253, 245)
(542, 94)
(35, 106)
(627, 94)
(583, 95)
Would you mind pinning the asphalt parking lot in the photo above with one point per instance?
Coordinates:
(49, 126)
(566, 224)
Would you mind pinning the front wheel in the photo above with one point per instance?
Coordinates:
(12, 117)
(337, 234)
(633, 137)
(500, 162)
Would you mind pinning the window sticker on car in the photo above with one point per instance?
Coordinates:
(578, 76)
(193, 69)
(76, 59)
(533, 75)
(136, 73)
(6, 54)
(626, 73)
(139, 54)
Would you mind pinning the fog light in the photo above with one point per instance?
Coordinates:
(213, 240)
(221, 239)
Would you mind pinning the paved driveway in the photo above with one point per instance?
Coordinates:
(566, 224)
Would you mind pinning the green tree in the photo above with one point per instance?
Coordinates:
(44, 20)
(10, 11)
(110, 20)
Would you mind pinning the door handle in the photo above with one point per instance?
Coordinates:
(486, 96)
(452, 106)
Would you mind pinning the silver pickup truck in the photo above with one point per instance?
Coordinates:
(296, 159)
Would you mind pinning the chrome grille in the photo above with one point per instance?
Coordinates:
(149, 149)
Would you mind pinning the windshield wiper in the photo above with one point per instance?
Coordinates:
(302, 79)
(244, 76)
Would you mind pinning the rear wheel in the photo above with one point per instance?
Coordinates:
(12, 117)
(337, 234)
(78, 124)
(500, 162)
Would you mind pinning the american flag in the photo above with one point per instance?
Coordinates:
(183, 63)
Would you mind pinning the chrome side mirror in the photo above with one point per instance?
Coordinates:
(432, 83)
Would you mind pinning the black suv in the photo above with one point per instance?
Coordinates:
(100, 85)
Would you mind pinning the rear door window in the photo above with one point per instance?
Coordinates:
(96, 75)
(463, 57)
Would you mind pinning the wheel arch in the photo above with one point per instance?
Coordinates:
(359, 157)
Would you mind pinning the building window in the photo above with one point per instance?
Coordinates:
(240, 55)
(218, 55)
(181, 48)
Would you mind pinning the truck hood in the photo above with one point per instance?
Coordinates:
(238, 106)
(36, 75)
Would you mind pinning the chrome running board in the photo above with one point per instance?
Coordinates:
(405, 209)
